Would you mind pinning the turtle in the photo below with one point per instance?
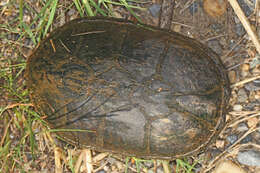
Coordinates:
(128, 88)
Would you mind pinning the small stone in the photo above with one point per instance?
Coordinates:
(45, 171)
(232, 139)
(246, 9)
(26, 18)
(252, 122)
(251, 96)
(228, 166)
(113, 167)
(193, 8)
(148, 164)
(177, 28)
(4, 2)
(256, 70)
(228, 117)
(212, 153)
(242, 96)
(155, 10)
(257, 95)
(232, 76)
(160, 170)
(111, 160)
(120, 165)
(220, 143)
(252, 106)
(215, 8)
(256, 136)
(245, 67)
(240, 31)
(101, 171)
(150, 171)
(106, 168)
(28, 42)
(242, 127)
(29, 156)
(244, 74)
(255, 63)
(11, 136)
(252, 86)
(247, 139)
(237, 107)
(215, 45)
(250, 158)
(71, 12)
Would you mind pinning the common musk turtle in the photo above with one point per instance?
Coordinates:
(129, 88)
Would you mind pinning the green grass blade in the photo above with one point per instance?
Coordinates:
(88, 8)
(51, 17)
(130, 10)
(79, 7)
(70, 130)
(31, 135)
(29, 32)
(183, 165)
(71, 163)
(126, 163)
(124, 4)
(23, 26)
(21, 13)
(99, 10)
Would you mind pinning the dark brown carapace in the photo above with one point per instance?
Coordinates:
(130, 89)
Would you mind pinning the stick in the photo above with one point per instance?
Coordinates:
(240, 14)
(245, 81)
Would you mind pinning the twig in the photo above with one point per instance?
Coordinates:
(229, 149)
(245, 81)
(187, 5)
(240, 14)
(239, 120)
(230, 51)
(178, 23)
(212, 38)
(18, 104)
(101, 167)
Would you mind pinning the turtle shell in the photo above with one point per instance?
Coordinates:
(128, 88)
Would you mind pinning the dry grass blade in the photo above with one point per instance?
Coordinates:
(87, 7)
(88, 160)
(79, 161)
(240, 14)
(5, 132)
(58, 165)
(166, 167)
(99, 157)
(101, 166)
(242, 117)
(18, 104)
